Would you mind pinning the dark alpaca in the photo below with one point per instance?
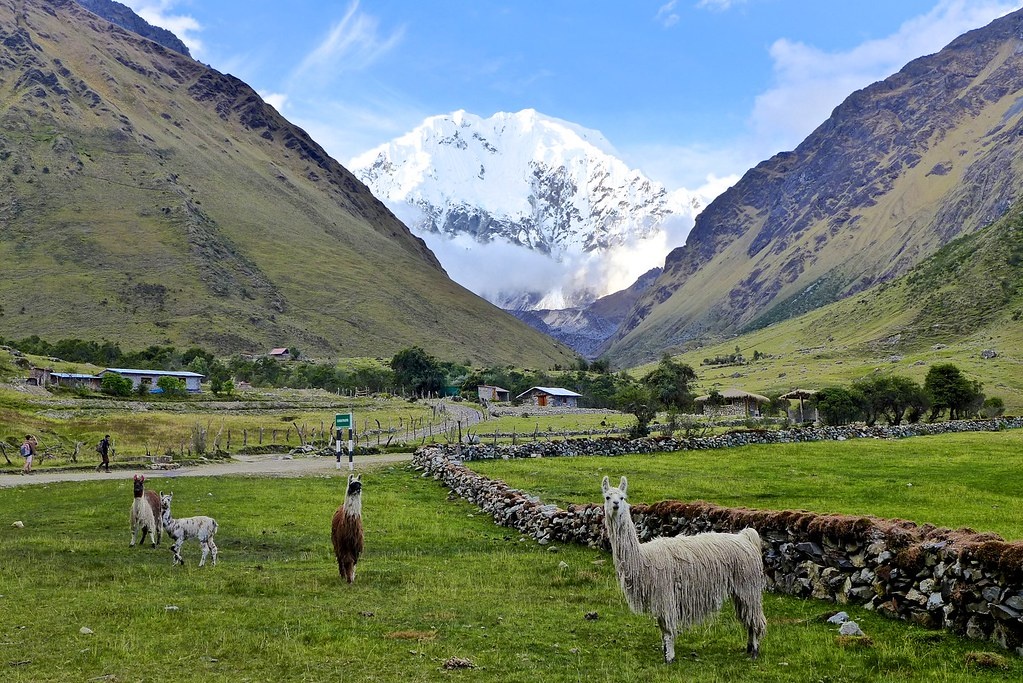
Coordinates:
(146, 514)
(346, 529)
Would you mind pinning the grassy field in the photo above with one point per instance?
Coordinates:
(438, 580)
(952, 480)
(156, 427)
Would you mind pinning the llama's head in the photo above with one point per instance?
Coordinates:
(138, 485)
(165, 502)
(615, 501)
(354, 485)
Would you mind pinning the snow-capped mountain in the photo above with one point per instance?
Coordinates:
(530, 211)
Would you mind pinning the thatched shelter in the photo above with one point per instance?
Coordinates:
(801, 395)
(736, 402)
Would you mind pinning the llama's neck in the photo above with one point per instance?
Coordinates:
(353, 506)
(628, 558)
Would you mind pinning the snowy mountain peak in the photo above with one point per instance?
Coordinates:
(536, 183)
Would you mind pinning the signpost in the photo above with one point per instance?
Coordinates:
(345, 421)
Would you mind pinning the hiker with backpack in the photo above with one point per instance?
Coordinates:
(28, 451)
(103, 448)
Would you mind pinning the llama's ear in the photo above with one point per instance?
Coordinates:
(605, 485)
(351, 477)
(624, 485)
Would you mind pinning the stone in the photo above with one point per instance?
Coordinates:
(934, 602)
(850, 628)
(839, 618)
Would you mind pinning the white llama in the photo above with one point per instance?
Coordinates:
(146, 515)
(682, 580)
(201, 527)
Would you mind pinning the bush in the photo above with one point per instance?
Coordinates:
(115, 385)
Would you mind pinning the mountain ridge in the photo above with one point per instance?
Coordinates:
(532, 181)
(899, 169)
(147, 198)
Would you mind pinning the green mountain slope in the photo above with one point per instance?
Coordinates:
(145, 198)
(899, 169)
(963, 301)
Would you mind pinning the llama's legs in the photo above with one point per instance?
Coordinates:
(134, 532)
(213, 548)
(176, 549)
(152, 537)
(350, 573)
(750, 611)
(667, 640)
(205, 551)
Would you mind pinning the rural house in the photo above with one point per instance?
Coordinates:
(488, 392)
(149, 378)
(550, 397)
(44, 377)
(735, 403)
(280, 354)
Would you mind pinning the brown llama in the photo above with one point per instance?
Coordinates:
(146, 514)
(346, 529)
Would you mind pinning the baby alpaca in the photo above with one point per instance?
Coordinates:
(146, 514)
(346, 529)
(201, 528)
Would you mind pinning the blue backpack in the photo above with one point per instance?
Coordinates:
(26, 450)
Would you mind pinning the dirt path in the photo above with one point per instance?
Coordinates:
(248, 465)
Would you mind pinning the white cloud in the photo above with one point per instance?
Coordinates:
(353, 43)
(666, 14)
(718, 5)
(810, 82)
(161, 13)
(275, 99)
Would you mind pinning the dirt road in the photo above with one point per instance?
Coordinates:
(247, 465)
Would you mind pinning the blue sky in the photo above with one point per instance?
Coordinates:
(685, 90)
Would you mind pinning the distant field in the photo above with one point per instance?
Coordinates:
(953, 480)
(438, 580)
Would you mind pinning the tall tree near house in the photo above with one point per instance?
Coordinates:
(416, 369)
(670, 383)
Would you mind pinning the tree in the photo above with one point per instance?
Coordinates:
(115, 385)
(951, 390)
(638, 400)
(669, 383)
(416, 369)
(838, 406)
(172, 387)
(891, 397)
(993, 407)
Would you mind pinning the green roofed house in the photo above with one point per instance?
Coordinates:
(149, 378)
(550, 397)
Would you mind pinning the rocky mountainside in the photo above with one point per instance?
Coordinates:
(528, 181)
(899, 169)
(124, 17)
(148, 199)
(586, 329)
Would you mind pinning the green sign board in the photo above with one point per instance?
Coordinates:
(343, 421)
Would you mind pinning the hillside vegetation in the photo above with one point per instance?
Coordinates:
(962, 301)
(146, 198)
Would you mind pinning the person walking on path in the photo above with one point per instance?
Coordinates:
(104, 450)
(28, 451)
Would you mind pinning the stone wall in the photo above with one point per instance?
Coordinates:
(964, 581)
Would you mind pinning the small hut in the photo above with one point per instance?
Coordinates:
(802, 395)
(737, 403)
